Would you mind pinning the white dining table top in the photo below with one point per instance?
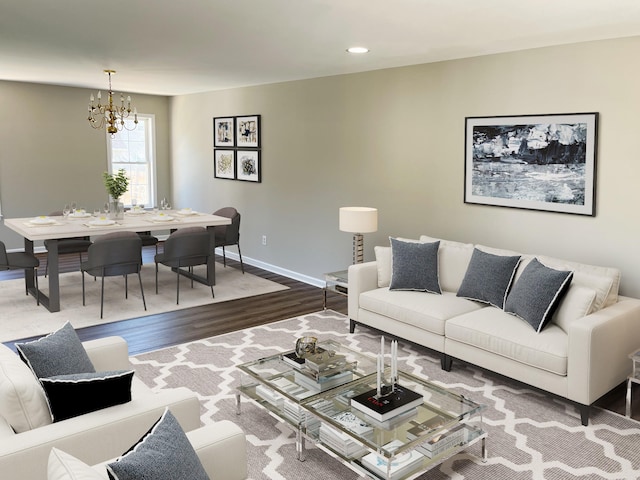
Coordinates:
(56, 227)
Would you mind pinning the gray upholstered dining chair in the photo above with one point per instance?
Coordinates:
(20, 261)
(186, 247)
(227, 235)
(66, 246)
(111, 255)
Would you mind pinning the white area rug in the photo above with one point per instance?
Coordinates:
(20, 317)
(532, 435)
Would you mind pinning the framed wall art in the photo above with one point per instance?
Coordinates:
(248, 131)
(248, 165)
(224, 163)
(224, 132)
(538, 162)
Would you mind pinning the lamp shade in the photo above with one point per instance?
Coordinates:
(358, 219)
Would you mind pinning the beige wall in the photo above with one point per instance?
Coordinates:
(49, 155)
(393, 139)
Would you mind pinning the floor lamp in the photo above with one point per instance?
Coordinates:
(358, 220)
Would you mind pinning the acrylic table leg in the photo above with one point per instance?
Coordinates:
(238, 403)
(628, 402)
(484, 450)
(300, 446)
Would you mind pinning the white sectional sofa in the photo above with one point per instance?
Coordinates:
(27, 435)
(580, 355)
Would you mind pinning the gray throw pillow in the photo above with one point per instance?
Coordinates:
(72, 395)
(414, 266)
(489, 278)
(59, 353)
(164, 453)
(537, 293)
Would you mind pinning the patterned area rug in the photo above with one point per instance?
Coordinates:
(531, 435)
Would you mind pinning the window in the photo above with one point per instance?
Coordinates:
(134, 151)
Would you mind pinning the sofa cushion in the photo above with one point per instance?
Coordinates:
(414, 266)
(62, 466)
(22, 401)
(383, 264)
(495, 331)
(77, 394)
(576, 304)
(164, 453)
(59, 353)
(453, 260)
(604, 280)
(537, 293)
(421, 309)
(489, 278)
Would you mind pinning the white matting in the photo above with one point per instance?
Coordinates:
(20, 317)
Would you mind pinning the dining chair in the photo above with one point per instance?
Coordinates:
(228, 235)
(186, 247)
(77, 245)
(20, 261)
(111, 255)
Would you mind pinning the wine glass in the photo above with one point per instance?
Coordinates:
(74, 205)
(65, 211)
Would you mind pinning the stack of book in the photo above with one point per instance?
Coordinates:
(323, 383)
(400, 465)
(440, 443)
(387, 406)
(342, 442)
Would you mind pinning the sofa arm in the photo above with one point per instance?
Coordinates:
(362, 277)
(222, 449)
(599, 348)
(97, 436)
(109, 353)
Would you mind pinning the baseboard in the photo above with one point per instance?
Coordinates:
(316, 282)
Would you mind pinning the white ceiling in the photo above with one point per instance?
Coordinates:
(173, 47)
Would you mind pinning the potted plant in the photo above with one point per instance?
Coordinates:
(116, 185)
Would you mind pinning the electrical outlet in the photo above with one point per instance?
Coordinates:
(264, 239)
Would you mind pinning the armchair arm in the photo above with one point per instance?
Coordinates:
(599, 348)
(222, 449)
(109, 353)
(362, 277)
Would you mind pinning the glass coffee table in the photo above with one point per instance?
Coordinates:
(317, 405)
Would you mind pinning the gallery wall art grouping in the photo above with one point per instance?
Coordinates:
(236, 142)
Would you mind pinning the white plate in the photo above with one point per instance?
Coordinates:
(79, 215)
(187, 211)
(139, 211)
(162, 218)
(42, 221)
(102, 222)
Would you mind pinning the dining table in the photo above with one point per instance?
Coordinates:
(81, 224)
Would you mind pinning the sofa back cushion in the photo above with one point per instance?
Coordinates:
(22, 401)
(604, 280)
(383, 263)
(453, 260)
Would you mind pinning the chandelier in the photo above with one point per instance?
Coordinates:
(109, 114)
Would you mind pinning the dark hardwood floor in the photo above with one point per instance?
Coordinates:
(162, 330)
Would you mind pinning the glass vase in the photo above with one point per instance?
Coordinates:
(116, 209)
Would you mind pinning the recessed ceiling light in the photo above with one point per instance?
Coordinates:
(358, 50)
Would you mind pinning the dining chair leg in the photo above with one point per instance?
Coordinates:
(178, 286)
(144, 303)
(156, 278)
(240, 255)
(35, 276)
(191, 272)
(83, 304)
(213, 295)
(126, 286)
(102, 296)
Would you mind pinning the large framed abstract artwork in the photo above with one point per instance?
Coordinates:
(537, 162)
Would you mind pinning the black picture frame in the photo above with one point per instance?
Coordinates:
(224, 132)
(224, 163)
(248, 166)
(247, 131)
(543, 162)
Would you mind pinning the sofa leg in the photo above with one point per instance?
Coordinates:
(445, 362)
(584, 413)
(352, 326)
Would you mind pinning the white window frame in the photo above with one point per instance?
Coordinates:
(150, 142)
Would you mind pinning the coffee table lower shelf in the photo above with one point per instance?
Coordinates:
(472, 435)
